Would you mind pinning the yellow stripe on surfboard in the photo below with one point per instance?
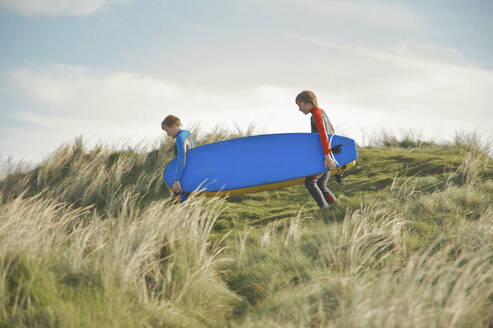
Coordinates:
(270, 186)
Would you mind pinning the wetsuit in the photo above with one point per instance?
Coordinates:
(317, 184)
(184, 142)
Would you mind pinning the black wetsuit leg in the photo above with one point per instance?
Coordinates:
(317, 186)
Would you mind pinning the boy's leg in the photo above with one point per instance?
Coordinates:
(312, 186)
(184, 196)
(322, 185)
(180, 197)
(176, 198)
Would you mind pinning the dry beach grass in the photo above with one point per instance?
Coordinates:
(89, 238)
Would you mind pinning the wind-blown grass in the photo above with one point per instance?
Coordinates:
(90, 238)
(160, 255)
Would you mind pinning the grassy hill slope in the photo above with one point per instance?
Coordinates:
(89, 238)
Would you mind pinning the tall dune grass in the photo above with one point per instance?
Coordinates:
(154, 256)
(359, 273)
(433, 289)
(90, 238)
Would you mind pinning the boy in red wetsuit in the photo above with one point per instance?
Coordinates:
(320, 123)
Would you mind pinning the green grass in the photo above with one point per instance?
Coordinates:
(89, 238)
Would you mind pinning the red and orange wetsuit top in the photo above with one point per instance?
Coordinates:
(321, 124)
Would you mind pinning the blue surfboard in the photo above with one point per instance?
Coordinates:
(242, 164)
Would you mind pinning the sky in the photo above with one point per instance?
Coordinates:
(111, 70)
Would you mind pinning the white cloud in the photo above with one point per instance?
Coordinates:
(411, 76)
(58, 7)
(410, 86)
(372, 12)
(126, 107)
(80, 92)
(83, 93)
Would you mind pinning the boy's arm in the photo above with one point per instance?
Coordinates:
(180, 157)
(324, 140)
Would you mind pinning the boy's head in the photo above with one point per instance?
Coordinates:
(171, 124)
(306, 100)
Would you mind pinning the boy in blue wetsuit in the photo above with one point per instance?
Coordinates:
(184, 142)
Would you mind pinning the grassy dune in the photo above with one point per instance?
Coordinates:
(89, 238)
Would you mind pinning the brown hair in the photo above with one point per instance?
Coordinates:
(307, 97)
(170, 120)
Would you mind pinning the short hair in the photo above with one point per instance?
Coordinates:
(170, 120)
(307, 96)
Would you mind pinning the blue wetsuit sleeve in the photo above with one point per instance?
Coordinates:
(181, 155)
